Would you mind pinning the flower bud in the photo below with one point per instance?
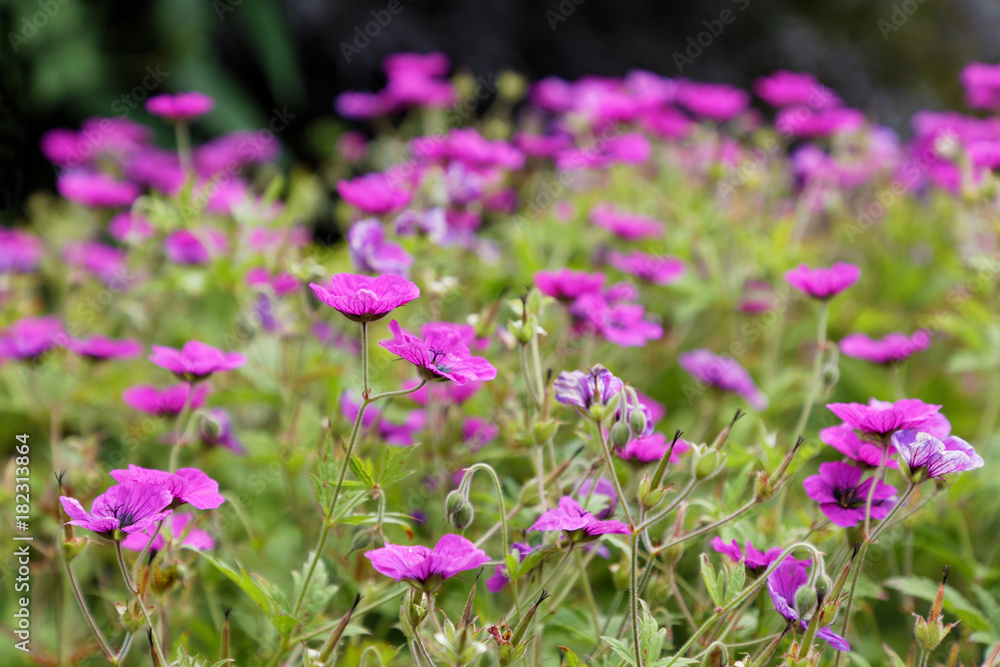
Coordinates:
(648, 496)
(165, 578)
(831, 376)
(211, 429)
(533, 302)
(637, 421)
(454, 501)
(462, 519)
(597, 412)
(708, 464)
(542, 431)
(619, 574)
(620, 434)
(805, 600)
(74, 547)
(508, 654)
(823, 586)
(672, 555)
(762, 488)
(130, 616)
(361, 540)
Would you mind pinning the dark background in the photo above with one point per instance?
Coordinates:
(256, 55)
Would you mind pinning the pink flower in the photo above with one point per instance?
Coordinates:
(657, 269)
(364, 299)
(100, 347)
(440, 355)
(449, 392)
(785, 89)
(217, 431)
(187, 485)
(843, 497)
(982, 86)
(196, 360)
(577, 522)
(628, 226)
(103, 261)
(370, 251)
(31, 337)
(374, 193)
(451, 555)
(568, 285)
(129, 228)
(880, 418)
(129, 508)
(801, 121)
(724, 373)
(893, 348)
(361, 106)
(166, 402)
(22, 252)
(96, 189)
(477, 433)
(845, 440)
(282, 284)
(194, 539)
(614, 319)
(926, 457)
(718, 102)
(189, 247)
(180, 107)
(650, 448)
(754, 559)
(823, 283)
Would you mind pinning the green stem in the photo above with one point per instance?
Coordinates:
(633, 585)
(105, 648)
(860, 561)
(589, 593)
(499, 489)
(145, 549)
(817, 374)
(671, 507)
(892, 513)
(184, 147)
(876, 480)
(180, 429)
(138, 598)
(614, 475)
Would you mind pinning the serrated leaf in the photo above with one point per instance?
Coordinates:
(736, 582)
(391, 469)
(571, 659)
(319, 592)
(250, 584)
(363, 471)
(713, 583)
(621, 649)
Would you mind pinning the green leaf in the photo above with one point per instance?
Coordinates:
(571, 659)
(737, 580)
(926, 589)
(391, 468)
(320, 589)
(363, 471)
(713, 583)
(259, 590)
(621, 649)
(512, 566)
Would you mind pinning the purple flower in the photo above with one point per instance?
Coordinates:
(371, 252)
(364, 299)
(451, 555)
(657, 269)
(397, 435)
(754, 559)
(129, 228)
(890, 349)
(440, 355)
(180, 107)
(823, 283)
(880, 418)
(580, 524)
(187, 485)
(217, 430)
(100, 347)
(598, 386)
(628, 226)
(166, 402)
(982, 86)
(130, 507)
(499, 580)
(724, 373)
(96, 189)
(196, 360)
(602, 487)
(22, 252)
(31, 337)
(715, 101)
(923, 456)
(801, 121)
(478, 433)
(568, 285)
(845, 440)
(187, 247)
(195, 539)
(650, 448)
(842, 496)
(374, 194)
(447, 393)
(616, 320)
(783, 584)
(785, 89)
(105, 262)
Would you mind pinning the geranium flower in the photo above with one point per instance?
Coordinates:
(499, 580)
(374, 194)
(397, 435)
(128, 227)
(196, 360)
(783, 584)
(187, 485)
(217, 430)
(724, 373)
(982, 86)
(129, 508)
(181, 106)
(823, 283)
(616, 320)
(477, 433)
(656, 269)
(923, 456)
(22, 252)
(101, 347)
(650, 448)
(427, 567)
(890, 349)
(880, 418)
(579, 524)
(31, 337)
(628, 226)
(784, 89)
(195, 538)
(754, 559)
(567, 285)
(843, 497)
(105, 262)
(96, 189)
(715, 101)
(187, 247)
(166, 402)
(440, 355)
(364, 299)
(604, 489)
(845, 440)
(446, 393)
(370, 251)
(583, 390)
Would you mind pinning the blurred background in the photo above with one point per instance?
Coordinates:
(65, 60)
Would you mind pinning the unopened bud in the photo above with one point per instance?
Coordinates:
(533, 303)
(648, 496)
(164, 579)
(361, 540)
(673, 554)
(620, 435)
(454, 502)
(211, 428)
(542, 431)
(637, 421)
(805, 599)
(462, 519)
(508, 654)
(130, 616)
(74, 547)
(823, 587)
(762, 488)
(708, 464)
(597, 412)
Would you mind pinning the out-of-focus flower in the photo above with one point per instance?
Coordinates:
(723, 372)
(754, 559)
(499, 580)
(578, 523)
(128, 227)
(397, 435)
(364, 299)
(181, 107)
(440, 355)
(567, 284)
(889, 349)
(448, 392)
(126, 508)
(194, 539)
(783, 584)
(427, 567)
(628, 226)
(31, 337)
(217, 430)
(374, 194)
(982, 86)
(196, 360)
(758, 297)
(103, 261)
(845, 440)
(785, 89)
(823, 283)
(657, 269)
(922, 456)
(614, 319)
(603, 490)
(370, 251)
(843, 496)
(22, 252)
(186, 486)
(881, 418)
(101, 347)
(96, 189)
(195, 247)
(166, 402)
(801, 121)
(477, 433)
(718, 102)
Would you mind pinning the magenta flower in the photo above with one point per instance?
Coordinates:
(924, 457)
(374, 194)
(890, 349)
(105, 262)
(440, 355)
(96, 189)
(783, 584)
(166, 402)
(196, 360)
(823, 283)
(217, 431)
(187, 247)
(370, 251)
(604, 490)
(802, 121)
(195, 538)
(845, 440)
(100, 347)
(477, 433)
(22, 252)
(982, 86)
(754, 559)
(568, 285)
(880, 418)
(628, 226)
(127, 508)
(723, 372)
(31, 337)
(447, 393)
(397, 435)
(364, 299)
(180, 107)
(187, 485)
(715, 101)
(129, 228)
(579, 524)
(428, 567)
(646, 449)
(656, 269)
(842, 496)
(598, 386)
(282, 284)
(785, 89)
(758, 297)
(499, 580)
(614, 319)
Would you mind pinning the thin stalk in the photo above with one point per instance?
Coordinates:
(145, 550)
(105, 648)
(850, 596)
(503, 507)
(614, 475)
(671, 507)
(892, 513)
(817, 374)
(184, 147)
(178, 435)
(522, 355)
(138, 598)
(633, 585)
(710, 527)
(879, 474)
(589, 593)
